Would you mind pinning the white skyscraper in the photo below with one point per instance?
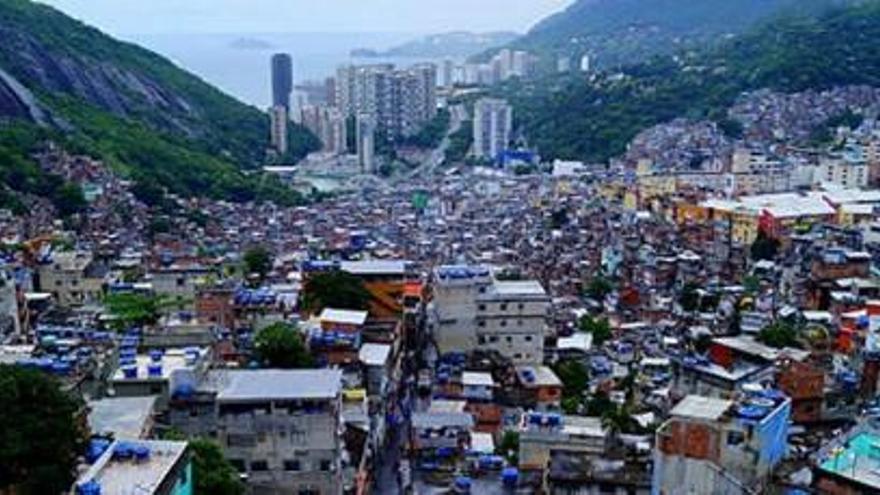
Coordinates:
(366, 144)
(493, 125)
(278, 137)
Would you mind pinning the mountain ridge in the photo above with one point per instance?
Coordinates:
(98, 91)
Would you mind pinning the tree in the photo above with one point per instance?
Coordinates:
(69, 199)
(129, 309)
(281, 346)
(39, 435)
(764, 247)
(599, 288)
(575, 380)
(509, 447)
(258, 260)
(212, 473)
(337, 289)
(599, 405)
(779, 334)
(600, 329)
(690, 297)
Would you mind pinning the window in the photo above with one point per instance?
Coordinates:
(181, 282)
(292, 465)
(509, 339)
(493, 338)
(155, 389)
(481, 323)
(238, 464)
(326, 465)
(735, 438)
(481, 307)
(503, 306)
(58, 283)
(481, 340)
(528, 338)
(259, 466)
(521, 306)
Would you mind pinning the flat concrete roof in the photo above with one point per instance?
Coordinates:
(374, 354)
(699, 407)
(257, 385)
(122, 477)
(124, 417)
(518, 288)
(345, 316)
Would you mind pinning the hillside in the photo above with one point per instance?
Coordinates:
(452, 44)
(571, 118)
(135, 109)
(622, 32)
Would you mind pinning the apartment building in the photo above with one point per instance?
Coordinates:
(721, 446)
(473, 311)
(493, 126)
(279, 428)
(73, 278)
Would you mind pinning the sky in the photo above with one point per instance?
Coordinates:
(122, 17)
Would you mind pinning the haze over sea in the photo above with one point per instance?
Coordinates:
(243, 72)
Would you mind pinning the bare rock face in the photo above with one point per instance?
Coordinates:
(105, 85)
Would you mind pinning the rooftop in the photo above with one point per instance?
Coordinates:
(518, 288)
(172, 361)
(128, 476)
(344, 316)
(374, 354)
(124, 417)
(537, 376)
(477, 379)
(699, 407)
(857, 460)
(375, 267)
(750, 346)
(254, 385)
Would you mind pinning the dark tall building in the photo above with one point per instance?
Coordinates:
(282, 80)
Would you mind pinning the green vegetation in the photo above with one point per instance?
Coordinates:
(599, 288)
(568, 118)
(258, 260)
(690, 297)
(779, 334)
(281, 346)
(764, 248)
(460, 143)
(19, 173)
(40, 439)
(623, 32)
(432, 133)
(599, 329)
(137, 310)
(575, 380)
(136, 110)
(212, 473)
(338, 290)
(509, 447)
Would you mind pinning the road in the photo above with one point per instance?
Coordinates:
(458, 114)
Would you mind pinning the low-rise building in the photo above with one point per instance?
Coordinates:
(721, 446)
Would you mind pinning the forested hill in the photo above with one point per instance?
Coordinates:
(125, 104)
(622, 32)
(572, 118)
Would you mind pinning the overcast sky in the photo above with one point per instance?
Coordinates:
(240, 16)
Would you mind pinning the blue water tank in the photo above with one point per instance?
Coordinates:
(154, 370)
(510, 476)
(141, 453)
(463, 484)
(88, 488)
(129, 371)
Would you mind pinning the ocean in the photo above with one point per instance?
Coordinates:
(238, 63)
